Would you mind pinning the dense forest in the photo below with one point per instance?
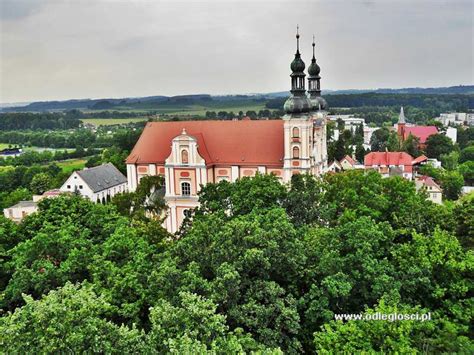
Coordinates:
(260, 267)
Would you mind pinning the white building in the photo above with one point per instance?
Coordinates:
(19, 211)
(98, 184)
(455, 118)
(350, 122)
(426, 183)
(452, 133)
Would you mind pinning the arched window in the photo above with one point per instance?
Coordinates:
(296, 132)
(296, 153)
(185, 188)
(184, 156)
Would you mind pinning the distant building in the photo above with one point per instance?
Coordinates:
(98, 184)
(453, 118)
(24, 208)
(19, 211)
(426, 183)
(393, 163)
(421, 132)
(452, 133)
(348, 163)
(10, 152)
(334, 167)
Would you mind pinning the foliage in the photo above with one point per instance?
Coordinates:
(260, 267)
(72, 318)
(438, 144)
(467, 154)
(464, 212)
(41, 183)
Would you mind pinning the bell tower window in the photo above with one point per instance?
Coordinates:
(184, 156)
(296, 132)
(296, 153)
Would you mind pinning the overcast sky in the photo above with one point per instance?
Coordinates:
(53, 49)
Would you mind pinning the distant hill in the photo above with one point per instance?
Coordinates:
(213, 102)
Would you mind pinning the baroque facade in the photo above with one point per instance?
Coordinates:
(190, 154)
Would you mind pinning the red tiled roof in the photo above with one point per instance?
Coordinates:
(388, 158)
(219, 142)
(428, 181)
(349, 159)
(420, 159)
(422, 132)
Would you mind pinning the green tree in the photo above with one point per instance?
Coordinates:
(72, 318)
(452, 183)
(464, 212)
(450, 161)
(467, 154)
(467, 171)
(379, 139)
(195, 324)
(360, 153)
(438, 144)
(406, 336)
(410, 145)
(393, 144)
(40, 183)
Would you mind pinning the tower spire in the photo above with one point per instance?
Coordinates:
(314, 58)
(401, 117)
(297, 39)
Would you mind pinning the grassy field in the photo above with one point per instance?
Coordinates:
(38, 149)
(73, 164)
(111, 121)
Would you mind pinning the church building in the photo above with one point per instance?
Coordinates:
(193, 153)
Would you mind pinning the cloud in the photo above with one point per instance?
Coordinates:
(82, 48)
(18, 9)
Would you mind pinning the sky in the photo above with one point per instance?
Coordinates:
(64, 49)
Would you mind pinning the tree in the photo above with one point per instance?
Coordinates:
(450, 161)
(410, 145)
(452, 183)
(378, 141)
(40, 183)
(464, 212)
(467, 154)
(57, 245)
(360, 153)
(393, 144)
(379, 336)
(195, 323)
(438, 144)
(467, 171)
(72, 318)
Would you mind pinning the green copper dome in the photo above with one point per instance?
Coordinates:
(297, 65)
(314, 68)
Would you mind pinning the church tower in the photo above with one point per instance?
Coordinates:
(319, 116)
(298, 126)
(401, 125)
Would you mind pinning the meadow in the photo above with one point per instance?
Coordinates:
(68, 166)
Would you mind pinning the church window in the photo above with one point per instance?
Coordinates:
(296, 153)
(296, 132)
(185, 188)
(184, 156)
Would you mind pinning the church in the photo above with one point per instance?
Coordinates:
(193, 153)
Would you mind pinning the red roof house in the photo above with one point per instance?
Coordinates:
(392, 163)
(421, 132)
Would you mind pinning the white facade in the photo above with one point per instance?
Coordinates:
(452, 133)
(75, 184)
(19, 211)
